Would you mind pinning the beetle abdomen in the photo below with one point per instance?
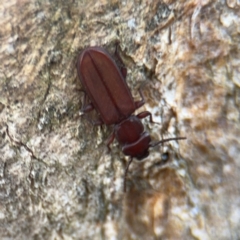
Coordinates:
(105, 85)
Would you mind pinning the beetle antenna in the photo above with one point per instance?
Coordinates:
(125, 174)
(166, 140)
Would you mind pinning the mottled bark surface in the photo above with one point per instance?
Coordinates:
(57, 180)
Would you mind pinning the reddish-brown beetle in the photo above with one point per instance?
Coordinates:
(105, 86)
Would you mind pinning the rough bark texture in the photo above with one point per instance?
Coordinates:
(57, 181)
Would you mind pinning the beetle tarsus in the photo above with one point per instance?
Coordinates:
(98, 122)
(125, 174)
(87, 108)
(110, 140)
(122, 67)
(141, 102)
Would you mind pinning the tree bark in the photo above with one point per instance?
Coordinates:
(57, 179)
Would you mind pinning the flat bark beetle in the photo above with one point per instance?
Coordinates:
(105, 85)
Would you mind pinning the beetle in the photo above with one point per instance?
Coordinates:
(104, 83)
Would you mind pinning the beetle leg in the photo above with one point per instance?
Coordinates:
(141, 102)
(122, 67)
(145, 114)
(110, 140)
(86, 107)
(125, 174)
